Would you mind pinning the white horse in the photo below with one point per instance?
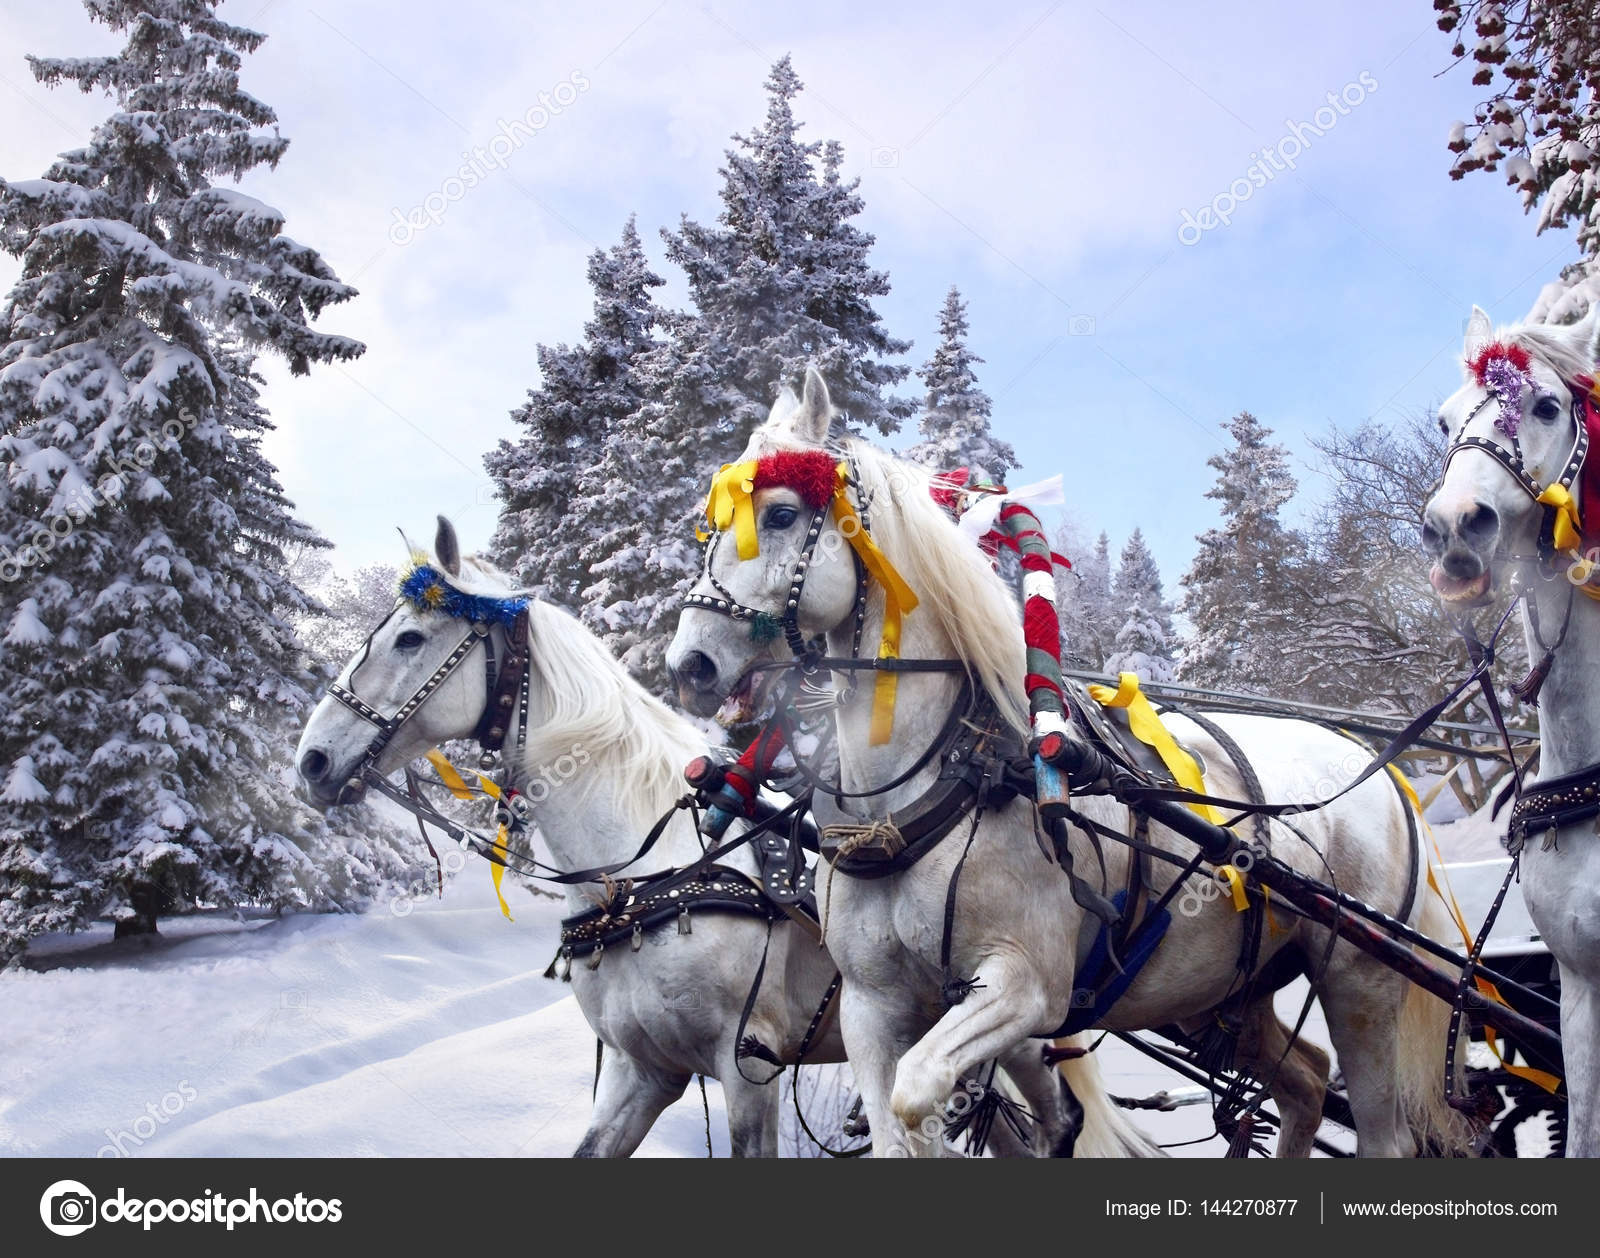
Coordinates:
(1483, 523)
(1018, 933)
(601, 763)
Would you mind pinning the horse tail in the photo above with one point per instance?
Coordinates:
(1107, 1132)
(1424, 1031)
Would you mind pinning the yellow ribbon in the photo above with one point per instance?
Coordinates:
(457, 786)
(1567, 535)
(730, 503)
(899, 599)
(1568, 531)
(1235, 880)
(1148, 729)
(1539, 1078)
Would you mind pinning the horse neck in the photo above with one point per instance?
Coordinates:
(923, 702)
(580, 798)
(1569, 703)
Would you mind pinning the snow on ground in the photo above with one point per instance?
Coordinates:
(431, 1033)
(427, 1034)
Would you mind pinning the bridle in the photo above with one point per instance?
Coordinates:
(503, 687)
(810, 696)
(809, 657)
(763, 624)
(1511, 459)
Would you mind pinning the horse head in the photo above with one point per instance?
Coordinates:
(412, 684)
(1519, 430)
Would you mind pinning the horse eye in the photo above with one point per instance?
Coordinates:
(410, 640)
(1444, 426)
(780, 517)
(1546, 408)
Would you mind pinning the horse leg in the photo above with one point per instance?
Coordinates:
(874, 1039)
(627, 1102)
(1362, 999)
(1003, 1008)
(752, 1106)
(1297, 1076)
(1580, 1047)
(1057, 1114)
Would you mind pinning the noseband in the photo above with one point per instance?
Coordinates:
(501, 686)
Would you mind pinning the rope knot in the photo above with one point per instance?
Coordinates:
(883, 835)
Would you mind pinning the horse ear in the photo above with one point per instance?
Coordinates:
(785, 405)
(1586, 334)
(1480, 328)
(815, 416)
(446, 548)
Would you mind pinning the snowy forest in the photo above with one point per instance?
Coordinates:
(167, 618)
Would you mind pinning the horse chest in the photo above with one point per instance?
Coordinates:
(1562, 886)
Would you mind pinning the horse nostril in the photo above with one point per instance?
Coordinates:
(696, 670)
(1432, 539)
(1479, 526)
(314, 766)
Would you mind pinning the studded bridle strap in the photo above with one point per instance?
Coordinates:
(504, 687)
(1511, 458)
(724, 603)
(389, 726)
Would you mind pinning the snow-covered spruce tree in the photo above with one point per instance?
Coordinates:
(642, 500)
(548, 477)
(1540, 60)
(1237, 593)
(147, 666)
(956, 412)
(1088, 616)
(783, 279)
(1144, 641)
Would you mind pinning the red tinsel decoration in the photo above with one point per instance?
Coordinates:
(947, 487)
(810, 473)
(1589, 486)
(1513, 354)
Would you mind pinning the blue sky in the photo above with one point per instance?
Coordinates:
(1040, 156)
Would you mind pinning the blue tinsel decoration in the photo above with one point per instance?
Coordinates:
(426, 589)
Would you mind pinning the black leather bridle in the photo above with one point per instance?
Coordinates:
(1510, 458)
(788, 622)
(502, 686)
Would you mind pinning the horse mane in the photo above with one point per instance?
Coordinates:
(636, 744)
(1552, 344)
(956, 586)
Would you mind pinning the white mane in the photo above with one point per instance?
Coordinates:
(956, 586)
(636, 744)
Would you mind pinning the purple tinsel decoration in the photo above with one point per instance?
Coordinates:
(1508, 382)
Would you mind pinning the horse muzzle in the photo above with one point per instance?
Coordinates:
(322, 787)
(1462, 540)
